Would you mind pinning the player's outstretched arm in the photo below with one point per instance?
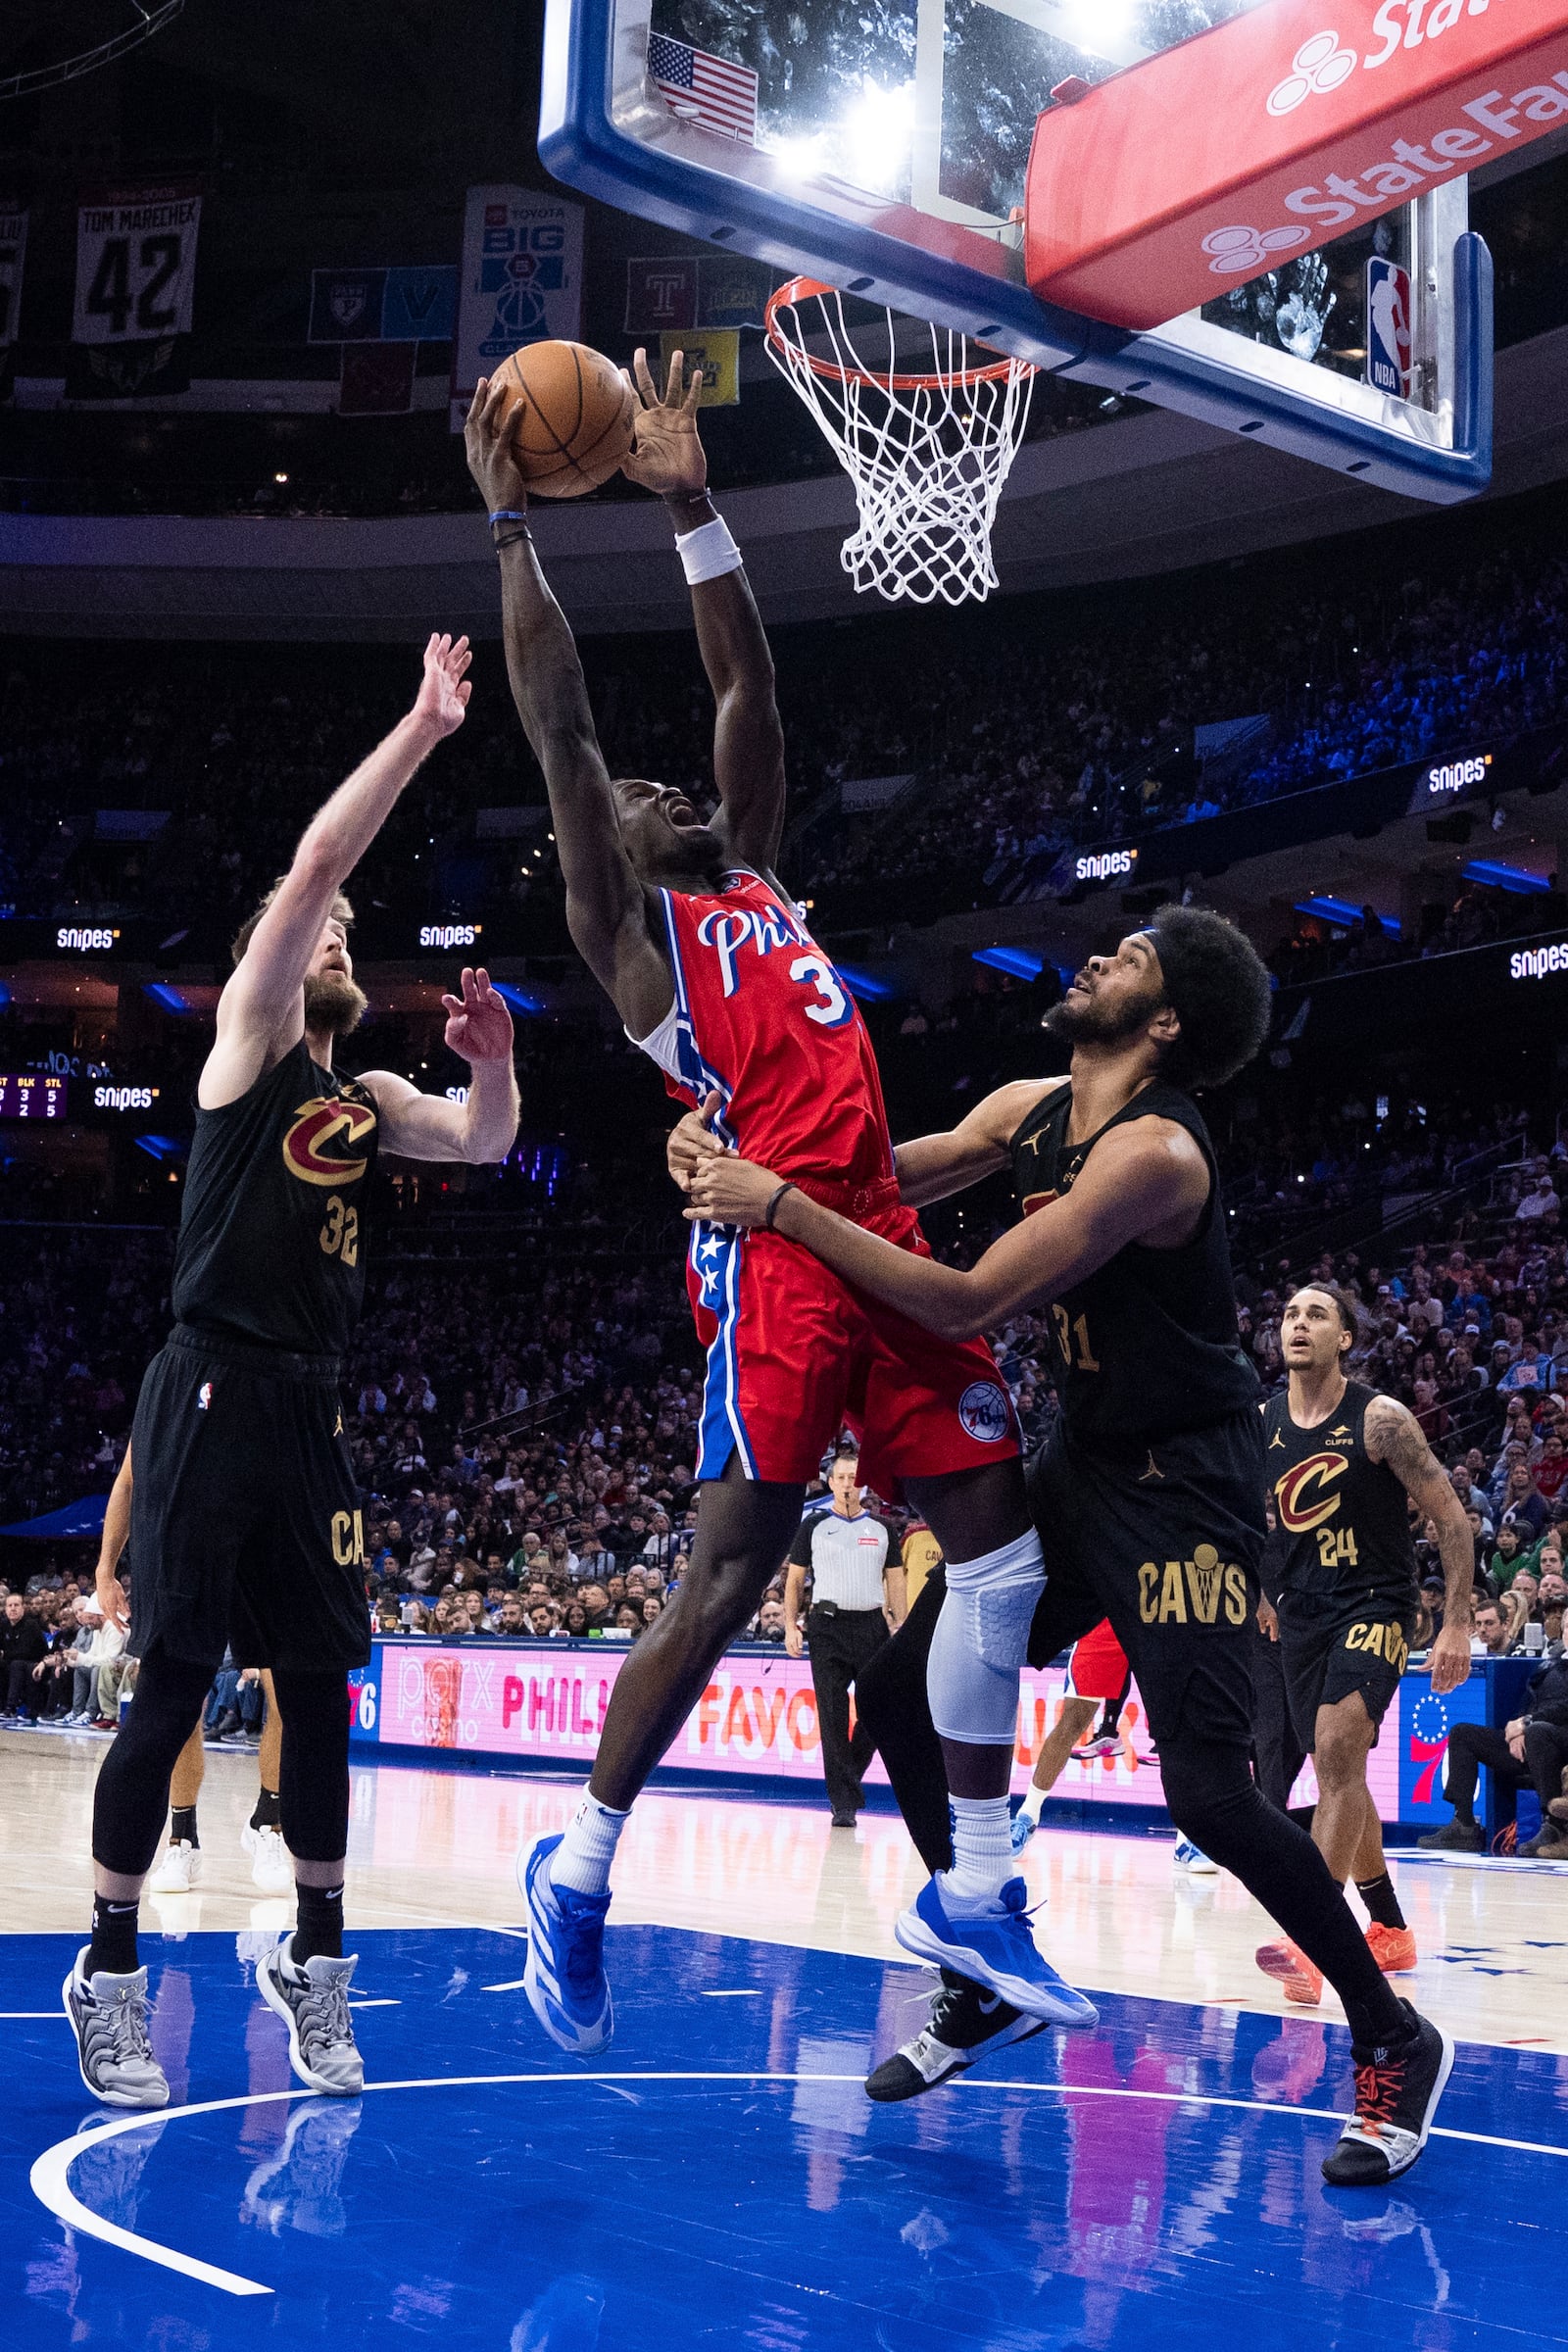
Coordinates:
(117, 1532)
(480, 1130)
(1146, 1186)
(605, 907)
(1395, 1439)
(260, 1013)
(933, 1167)
(748, 741)
(930, 1168)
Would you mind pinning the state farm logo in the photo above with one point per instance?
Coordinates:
(1242, 252)
(1319, 65)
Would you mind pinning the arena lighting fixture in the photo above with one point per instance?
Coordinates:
(1341, 911)
(517, 1000)
(164, 994)
(863, 985)
(1517, 878)
(159, 1147)
(1020, 964)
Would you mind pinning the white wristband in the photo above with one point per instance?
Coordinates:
(708, 552)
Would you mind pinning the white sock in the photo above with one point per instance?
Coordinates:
(982, 1853)
(1033, 1801)
(583, 1857)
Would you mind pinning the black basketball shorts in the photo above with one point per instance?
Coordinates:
(1165, 1540)
(1332, 1645)
(245, 1529)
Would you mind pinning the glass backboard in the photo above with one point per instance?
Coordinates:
(882, 145)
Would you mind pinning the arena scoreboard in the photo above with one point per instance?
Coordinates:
(30, 1095)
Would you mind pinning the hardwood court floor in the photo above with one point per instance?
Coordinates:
(434, 1849)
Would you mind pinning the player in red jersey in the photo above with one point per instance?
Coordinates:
(711, 968)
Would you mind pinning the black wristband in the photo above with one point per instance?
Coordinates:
(512, 538)
(773, 1206)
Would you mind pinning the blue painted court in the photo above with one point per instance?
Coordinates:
(724, 2182)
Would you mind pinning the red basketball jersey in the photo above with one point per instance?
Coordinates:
(760, 1014)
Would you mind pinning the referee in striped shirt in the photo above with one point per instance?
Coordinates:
(857, 1602)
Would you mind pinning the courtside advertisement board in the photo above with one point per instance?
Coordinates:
(544, 1705)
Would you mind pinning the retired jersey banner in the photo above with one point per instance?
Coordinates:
(13, 254)
(520, 282)
(136, 263)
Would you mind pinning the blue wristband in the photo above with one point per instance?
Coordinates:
(506, 515)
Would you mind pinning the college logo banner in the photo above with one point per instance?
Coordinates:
(136, 263)
(520, 281)
(403, 305)
(678, 291)
(13, 254)
(718, 355)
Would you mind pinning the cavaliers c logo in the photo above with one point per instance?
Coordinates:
(1303, 1503)
(327, 1120)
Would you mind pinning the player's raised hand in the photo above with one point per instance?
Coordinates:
(694, 1141)
(488, 445)
(666, 455)
(478, 1024)
(445, 688)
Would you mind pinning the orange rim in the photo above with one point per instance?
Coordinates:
(797, 291)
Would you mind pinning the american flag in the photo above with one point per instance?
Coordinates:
(703, 89)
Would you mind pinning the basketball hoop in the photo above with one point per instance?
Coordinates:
(927, 453)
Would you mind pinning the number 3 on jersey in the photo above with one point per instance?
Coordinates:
(833, 1007)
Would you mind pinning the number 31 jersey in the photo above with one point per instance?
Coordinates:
(1343, 1518)
(1147, 1345)
(760, 1014)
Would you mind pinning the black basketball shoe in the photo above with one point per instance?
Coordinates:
(1397, 2092)
(966, 2023)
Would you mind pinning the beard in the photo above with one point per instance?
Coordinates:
(333, 1004)
(1090, 1020)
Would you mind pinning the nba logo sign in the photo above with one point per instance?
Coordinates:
(1388, 328)
(204, 1395)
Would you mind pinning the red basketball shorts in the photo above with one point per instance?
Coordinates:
(794, 1354)
(1096, 1665)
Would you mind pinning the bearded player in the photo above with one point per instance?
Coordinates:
(1340, 1462)
(244, 1522)
(1150, 1494)
(706, 962)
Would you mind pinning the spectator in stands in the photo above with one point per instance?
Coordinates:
(22, 1648)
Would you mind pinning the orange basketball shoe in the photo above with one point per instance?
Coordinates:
(1302, 1982)
(1392, 1948)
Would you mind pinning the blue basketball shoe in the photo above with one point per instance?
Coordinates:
(994, 1948)
(563, 1974)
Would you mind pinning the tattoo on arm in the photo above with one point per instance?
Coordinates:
(1396, 1440)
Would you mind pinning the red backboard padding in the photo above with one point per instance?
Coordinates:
(1200, 168)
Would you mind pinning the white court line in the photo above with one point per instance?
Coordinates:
(54, 2012)
(50, 2184)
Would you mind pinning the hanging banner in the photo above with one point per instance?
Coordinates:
(136, 263)
(135, 271)
(13, 253)
(404, 305)
(520, 282)
(716, 353)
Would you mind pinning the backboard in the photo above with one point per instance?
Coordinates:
(882, 145)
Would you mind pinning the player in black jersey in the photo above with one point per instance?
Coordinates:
(1150, 1494)
(1341, 1461)
(245, 1527)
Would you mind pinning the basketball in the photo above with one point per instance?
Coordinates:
(571, 415)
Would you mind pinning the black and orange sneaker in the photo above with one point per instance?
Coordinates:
(1397, 2087)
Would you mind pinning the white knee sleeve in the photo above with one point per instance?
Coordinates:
(982, 1639)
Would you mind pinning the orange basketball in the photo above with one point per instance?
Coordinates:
(569, 413)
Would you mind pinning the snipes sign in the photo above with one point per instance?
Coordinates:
(1292, 122)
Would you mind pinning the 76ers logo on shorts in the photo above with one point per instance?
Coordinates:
(985, 1414)
(204, 1395)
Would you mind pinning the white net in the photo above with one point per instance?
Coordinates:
(928, 450)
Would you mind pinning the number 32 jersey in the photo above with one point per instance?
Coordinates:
(760, 1014)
